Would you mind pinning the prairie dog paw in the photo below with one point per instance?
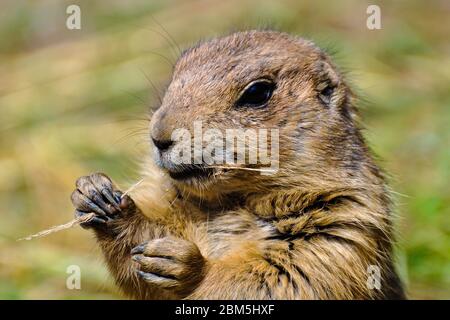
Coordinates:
(170, 263)
(96, 193)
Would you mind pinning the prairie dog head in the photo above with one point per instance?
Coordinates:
(256, 80)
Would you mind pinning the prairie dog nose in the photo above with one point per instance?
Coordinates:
(160, 131)
(162, 145)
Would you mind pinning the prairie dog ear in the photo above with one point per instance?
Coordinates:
(329, 85)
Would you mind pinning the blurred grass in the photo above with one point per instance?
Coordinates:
(73, 102)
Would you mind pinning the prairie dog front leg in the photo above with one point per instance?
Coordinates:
(119, 226)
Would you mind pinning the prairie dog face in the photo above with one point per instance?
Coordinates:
(253, 80)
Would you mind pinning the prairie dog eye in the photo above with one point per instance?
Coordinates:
(326, 91)
(256, 94)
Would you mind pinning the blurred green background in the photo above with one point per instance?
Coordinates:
(75, 101)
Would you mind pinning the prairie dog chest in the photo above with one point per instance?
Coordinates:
(232, 232)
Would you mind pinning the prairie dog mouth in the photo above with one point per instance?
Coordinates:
(190, 172)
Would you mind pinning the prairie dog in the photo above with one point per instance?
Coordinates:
(312, 230)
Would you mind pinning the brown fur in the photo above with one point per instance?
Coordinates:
(308, 232)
